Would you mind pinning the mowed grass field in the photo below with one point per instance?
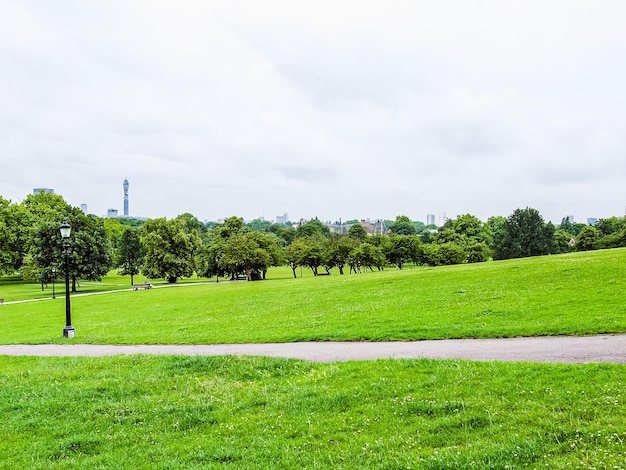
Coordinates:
(574, 294)
(179, 412)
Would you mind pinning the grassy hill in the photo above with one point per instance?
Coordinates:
(136, 412)
(573, 294)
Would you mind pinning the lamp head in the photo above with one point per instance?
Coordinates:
(65, 229)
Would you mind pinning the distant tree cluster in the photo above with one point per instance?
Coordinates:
(31, 246)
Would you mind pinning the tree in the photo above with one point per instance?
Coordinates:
(525, 234)
(567, 226)
(233, 249)
(401, 249)
(7, 238)
(89, 251)
(610, 226)
(340, 250)
(17, 223)
(477, 252)
(170, 249)
(114, 230)
(296, 254)
(561, 242)
(367, 255)
(431, 254)
(451, 253)
(242, 254)
(357, 232)
(587, 239)
(192, 224)
(316, 252)
(449, 235)
(259, 225)
(130, 255)
(403, 226)
(311, 228)
(251, 253)
(497, 229)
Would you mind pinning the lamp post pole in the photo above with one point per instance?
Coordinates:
(68, 331)
(54, 275)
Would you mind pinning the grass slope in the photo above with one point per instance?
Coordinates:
(574, 294)
(141, 412)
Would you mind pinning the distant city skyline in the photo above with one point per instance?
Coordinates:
(429, 219)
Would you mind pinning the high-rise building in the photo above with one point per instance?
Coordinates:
(125, 197)
(430, 219)
(111, 213)
(83, 207)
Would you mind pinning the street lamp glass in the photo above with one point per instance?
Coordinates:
(65, 229)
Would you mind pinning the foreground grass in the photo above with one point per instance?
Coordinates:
(214, 412)
(575, 294)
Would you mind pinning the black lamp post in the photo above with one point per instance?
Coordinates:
(68, 331)
(54, 275)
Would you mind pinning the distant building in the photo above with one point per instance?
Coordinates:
(83, 207)
(282, 219)
(377, 227)
(338, 227)
(430, 219)
(112, 213)
(43, 190)
(443, 219)
(570, 218)
(592, 221)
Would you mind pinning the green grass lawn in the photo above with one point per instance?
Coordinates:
(258, 413)
(574, 294)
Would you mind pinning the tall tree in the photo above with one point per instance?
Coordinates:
(316, 252)
(587, 239)
(170, 249)
(403, 226)
(251, 253)
(130, 254)
(368, 255)
(340, 250)
(357, 232)
(89, 251)
(402, 249)
(525, 234)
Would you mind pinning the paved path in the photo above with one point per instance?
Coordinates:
(562, 349)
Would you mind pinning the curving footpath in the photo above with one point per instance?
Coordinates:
(555, 349)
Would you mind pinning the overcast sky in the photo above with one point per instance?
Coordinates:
(329, 109)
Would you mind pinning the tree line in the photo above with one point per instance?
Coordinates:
(31, 246)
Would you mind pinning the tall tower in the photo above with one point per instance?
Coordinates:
(125, 197)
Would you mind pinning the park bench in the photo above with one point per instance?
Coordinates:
(145, 285)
